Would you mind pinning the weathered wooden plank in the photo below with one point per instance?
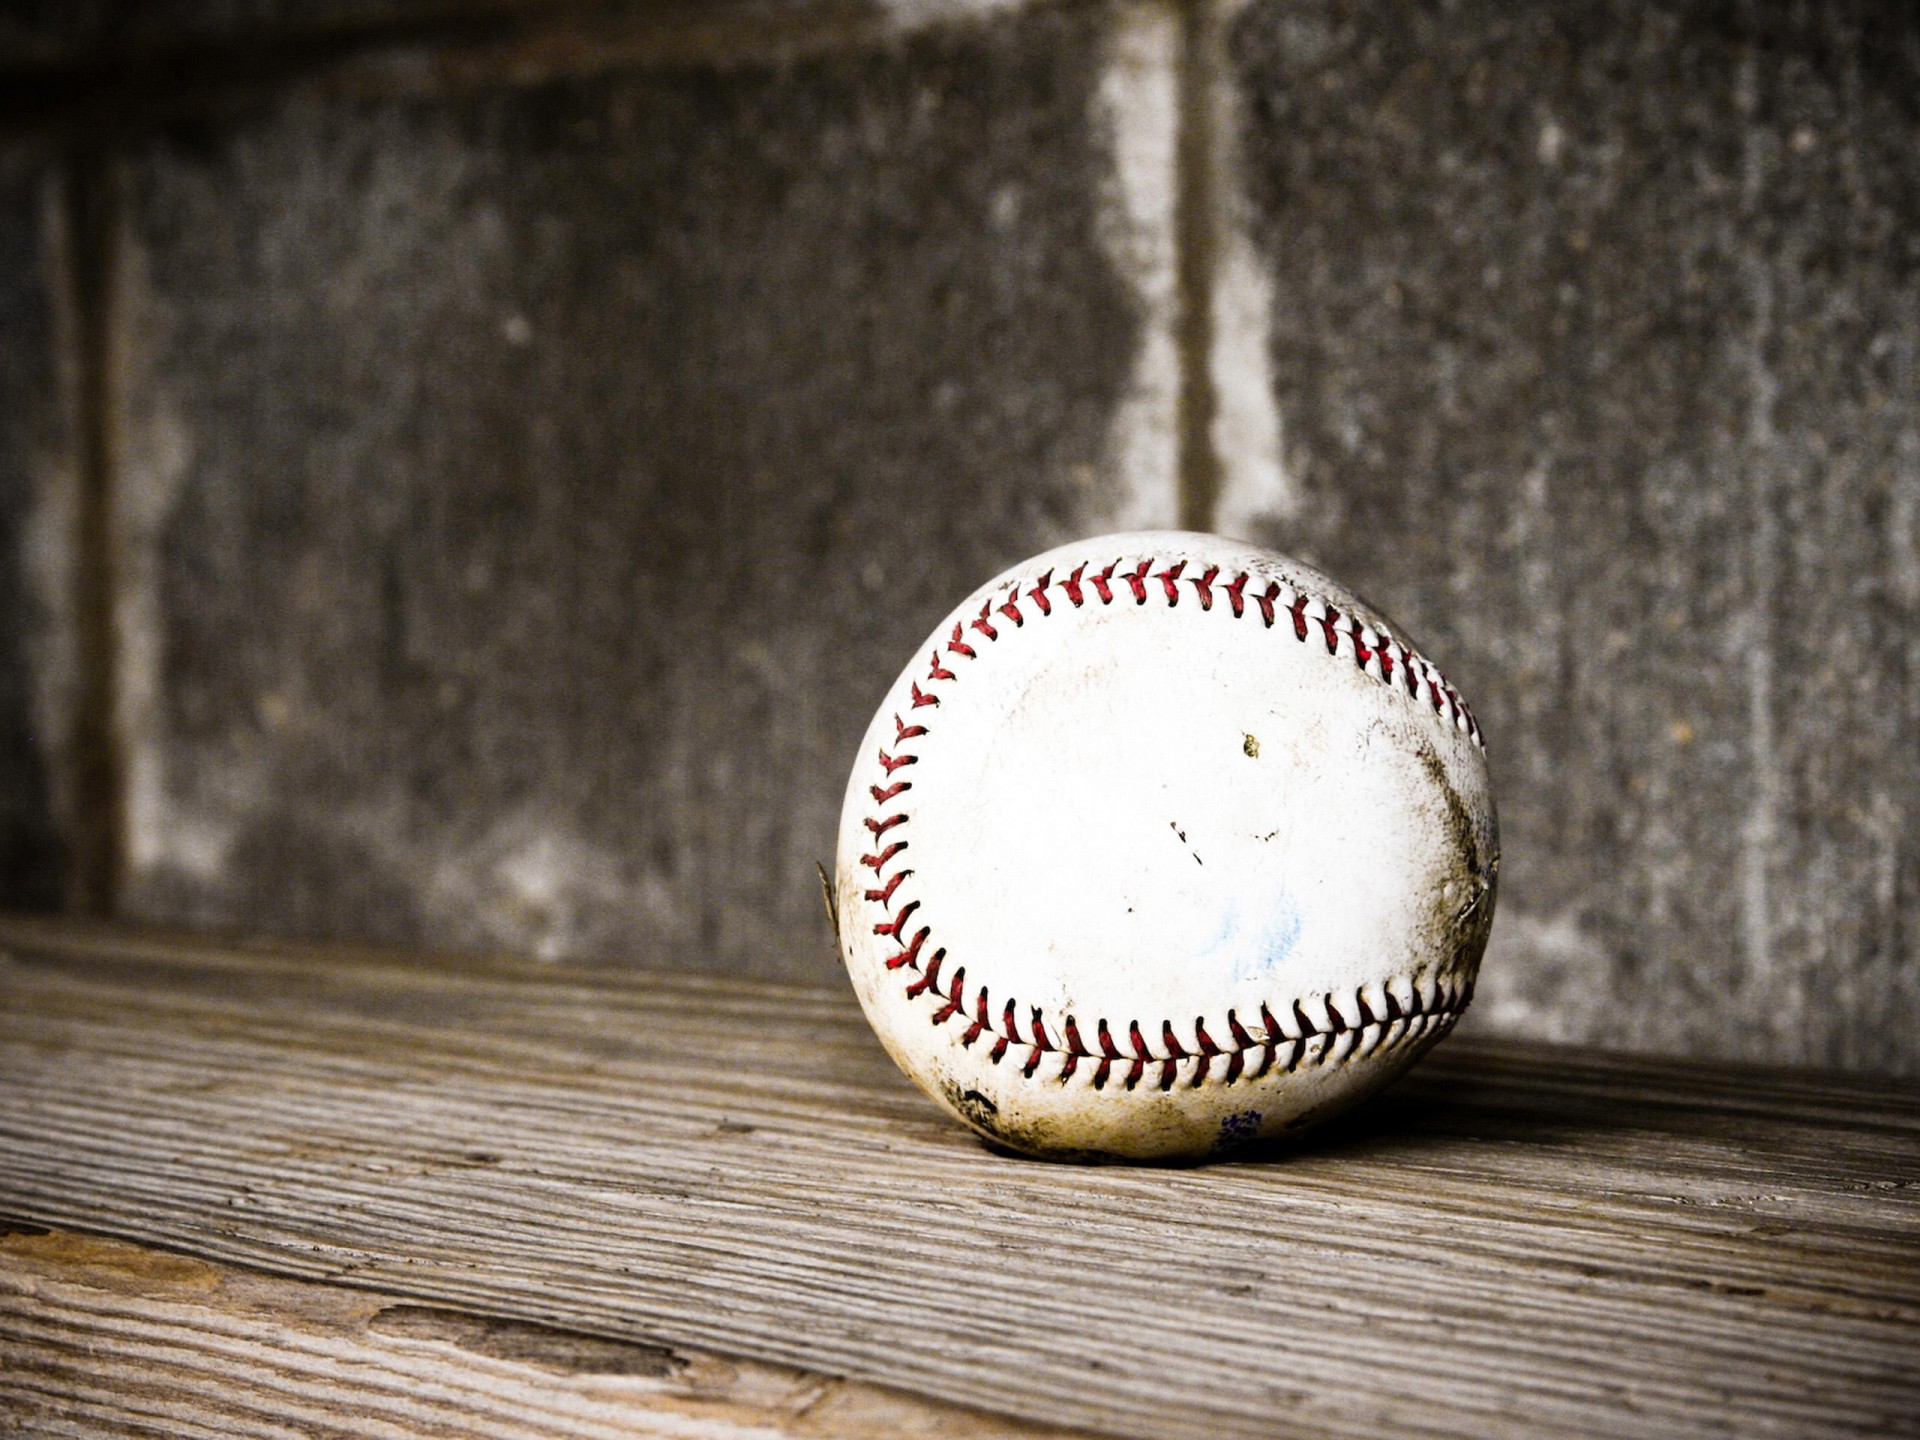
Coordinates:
(99, 1337)
(1515, 1240)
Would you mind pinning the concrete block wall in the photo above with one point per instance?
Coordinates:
(468, 470)
(37, 486)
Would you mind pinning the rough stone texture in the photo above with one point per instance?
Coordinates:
(49, 33)
(40, 32)
(1593, 340)
(35, 462)
(528, 495)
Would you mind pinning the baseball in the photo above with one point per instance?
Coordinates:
(1163, 843)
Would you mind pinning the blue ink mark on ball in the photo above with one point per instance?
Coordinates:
(1273, 941)
(1254, 938)
(1235, 1129)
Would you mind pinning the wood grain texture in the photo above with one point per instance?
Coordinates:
(1516, 1240)
(99, 1337)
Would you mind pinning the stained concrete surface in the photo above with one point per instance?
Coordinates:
(528, 494)
(1592, 337)
(522, 491)
(48, 35)
(36, 457)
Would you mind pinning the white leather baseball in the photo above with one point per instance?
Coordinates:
(1163, 842)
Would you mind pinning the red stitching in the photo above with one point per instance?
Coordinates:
(1266, 605)
(1271, 1038)
(928, 977)
(952, 1007)
(1139, 1042)
(1330, 622)
(884, 895)
(877, 863)
(911, 954)
(1040, 1041)
(1362, 652)
(1168, 577)
(980, 1021)
(1039, 593)
(895, 927)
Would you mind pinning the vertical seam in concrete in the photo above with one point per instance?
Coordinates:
(1760, 828)
(93, 235)
(1196, 241)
